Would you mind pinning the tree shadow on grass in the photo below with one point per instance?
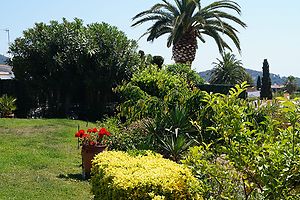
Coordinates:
(75, 177)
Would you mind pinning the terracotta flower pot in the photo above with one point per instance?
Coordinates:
(87, 153)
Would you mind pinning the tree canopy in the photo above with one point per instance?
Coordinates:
(291, 84)
(71, 64)
(187, 20)
(266, 91)
(229, 70)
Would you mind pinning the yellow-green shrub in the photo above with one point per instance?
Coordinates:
(118, 175)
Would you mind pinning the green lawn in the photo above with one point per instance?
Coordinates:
(39, 159)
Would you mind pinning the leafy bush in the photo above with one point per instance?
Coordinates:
(220, 179)
(184, 71)
(117, 175)
(7, 105)
(152, 91)
(126, 137)
(261, 144)
(166, 98)
(55, 61)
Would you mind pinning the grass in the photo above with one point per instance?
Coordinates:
(39, 159)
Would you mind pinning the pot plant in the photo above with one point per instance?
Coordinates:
(92, 142)
(7, 106)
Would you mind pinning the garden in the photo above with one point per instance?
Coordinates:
(90, 117)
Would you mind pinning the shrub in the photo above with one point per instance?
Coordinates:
(172, 133)
(260, 143)
(167, 97)
(132, 136)
(152, 91)
(219, 177)
(7, 105)
(118, 175)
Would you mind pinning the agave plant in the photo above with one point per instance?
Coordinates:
(172, 133)
(173, 145)
(7, 105)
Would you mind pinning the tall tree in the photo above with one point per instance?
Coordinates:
(266, 91)
(229, 70)
(291, 84)
(258, 83)
(187, 20)
(69, 64)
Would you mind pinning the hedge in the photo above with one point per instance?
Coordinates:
(118, 175)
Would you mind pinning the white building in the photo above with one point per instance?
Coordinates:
(6, 72)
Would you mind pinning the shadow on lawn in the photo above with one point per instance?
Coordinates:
(76, 177)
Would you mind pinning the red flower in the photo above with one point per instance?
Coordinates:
(94, 130)
(102, 132)
(92, 136)
(86, 135)
(77, 134)
(89, 130)
(80, 133)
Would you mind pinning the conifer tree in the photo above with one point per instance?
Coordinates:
(258, 83)
(266, 91)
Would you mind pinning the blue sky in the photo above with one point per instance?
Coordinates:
(273, 30)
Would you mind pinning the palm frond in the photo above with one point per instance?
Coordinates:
(186, 20)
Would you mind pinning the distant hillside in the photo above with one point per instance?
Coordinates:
(3, 59)
(276, 79)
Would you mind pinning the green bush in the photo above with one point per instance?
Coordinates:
(168, 99)
(152, 91)
(118, 175)
(7, 105)
(219, 177)
(260, 143)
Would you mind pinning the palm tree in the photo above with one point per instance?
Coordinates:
(229, 70)
(187, 20)
(291, 84)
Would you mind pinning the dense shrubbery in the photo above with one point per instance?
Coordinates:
(259, 144)
(239, 149)
(163, 102)
(152, 91)
(70, 68)
(130, 137)
(118, 175)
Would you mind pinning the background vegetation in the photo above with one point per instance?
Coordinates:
(69, 68)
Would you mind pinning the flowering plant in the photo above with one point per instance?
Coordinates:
(93, 137)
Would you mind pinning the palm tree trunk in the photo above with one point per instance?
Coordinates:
(184, 51)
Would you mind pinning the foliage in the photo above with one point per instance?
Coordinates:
(188, 20)
(291, 84)
(150, 92)
(7, 105)
(266, 92)
(261, 143)
(158, 60)
(132, 137)
(161, 103)
(70, 66)
(229, 70)
(172, 133)
(92, 137)
(258, 83)
(117, 175)
(182, 70)
(219, 177)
